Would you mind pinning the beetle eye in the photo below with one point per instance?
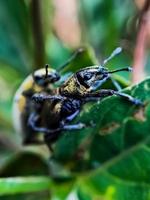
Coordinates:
(37, 78)
(87, 76)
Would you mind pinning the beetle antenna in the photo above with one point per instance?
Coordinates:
(113, 54)
(46, 70)
(128, 69)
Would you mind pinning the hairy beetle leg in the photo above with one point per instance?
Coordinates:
(32, 123)
(129, 98)
(116, 84)
(71, 117)
(106, 93)
(74, 126)
(33, 119)
(39, 98)
(72, 58)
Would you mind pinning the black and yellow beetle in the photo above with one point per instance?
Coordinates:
(40, 81)
(41, 108)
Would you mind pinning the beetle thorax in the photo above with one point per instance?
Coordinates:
(72, 87)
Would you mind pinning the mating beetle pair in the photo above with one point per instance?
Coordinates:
(41, 108)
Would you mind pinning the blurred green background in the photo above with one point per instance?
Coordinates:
(32, 33)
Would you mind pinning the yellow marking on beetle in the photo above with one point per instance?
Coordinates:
(57, 107)
(71, 87)
(28, 84)
(21, 103)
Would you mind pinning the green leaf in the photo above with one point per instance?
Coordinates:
(25, 163)
(23, 185)
(24, 175)
(123, 177)
(15, 47)
(61, 191)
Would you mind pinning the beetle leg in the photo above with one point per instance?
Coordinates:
(113, 54)
(74, 126)
(39, 98)
(116, 84)
(71, 117)
(33, 118)
(49, 138)
(32, 123)
(128, 98)
(105, 93)
(75, 54)
(98, 95)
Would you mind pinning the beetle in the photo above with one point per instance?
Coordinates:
(44, 109)
(22, 106)
(39, 81)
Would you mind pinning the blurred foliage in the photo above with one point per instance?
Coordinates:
(109, 159)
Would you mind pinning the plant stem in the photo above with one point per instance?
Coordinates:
(141, 44)
(39, 49)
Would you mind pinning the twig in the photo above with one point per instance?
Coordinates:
(141, 44)
(39, 49)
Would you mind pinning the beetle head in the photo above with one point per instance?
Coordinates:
(44, 76)
(92, 77)
(87, 80)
